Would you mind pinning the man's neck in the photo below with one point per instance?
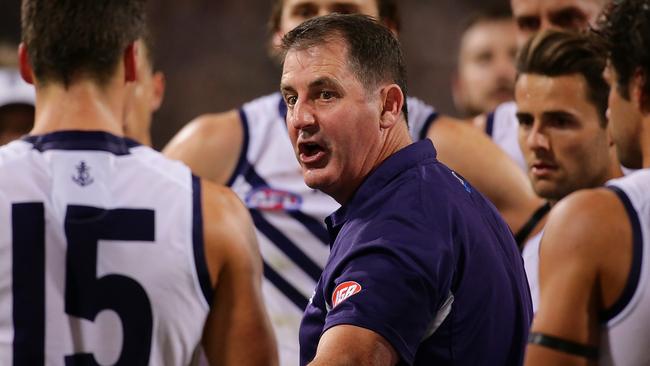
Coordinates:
(645, 140)
(395, 139)
(82, 106)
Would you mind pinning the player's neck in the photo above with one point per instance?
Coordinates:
(82, 106)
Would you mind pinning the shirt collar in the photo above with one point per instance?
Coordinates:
(397, 163)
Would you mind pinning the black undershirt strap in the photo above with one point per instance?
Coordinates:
(564, 346)
(534, 219)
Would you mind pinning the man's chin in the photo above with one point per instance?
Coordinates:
(548, 192)
(313, 179)
(317, 179)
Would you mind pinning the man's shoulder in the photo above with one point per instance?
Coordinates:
(585, 224)
(207, 127)
(209, 145)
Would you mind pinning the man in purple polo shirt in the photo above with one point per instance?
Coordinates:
(422, 269)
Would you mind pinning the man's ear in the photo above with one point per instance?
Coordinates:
(393, 101)
(131, 62)
(276, 40)
(25, 66)
(159, 83)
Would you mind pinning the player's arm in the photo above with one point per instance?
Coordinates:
(237, 331)
(585, 259)
(210, 145)
(471, 153)
(345, 345)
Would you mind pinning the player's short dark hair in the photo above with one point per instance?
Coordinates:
(388, 14)
(67, 39)
(625, 30)
(557, 53)
(488, 14)
(373, 52)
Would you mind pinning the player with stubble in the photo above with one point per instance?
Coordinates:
(422, 269)
(563, 128)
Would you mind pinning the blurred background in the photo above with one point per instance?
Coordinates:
(214, 52)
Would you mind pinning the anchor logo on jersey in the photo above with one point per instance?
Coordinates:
(83, 177)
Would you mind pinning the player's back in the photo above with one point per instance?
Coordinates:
(101, 254)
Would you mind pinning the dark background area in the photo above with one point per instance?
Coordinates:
(213, 52)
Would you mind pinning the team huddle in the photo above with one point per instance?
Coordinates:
(339, 220)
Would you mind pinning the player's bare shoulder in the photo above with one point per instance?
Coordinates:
(591, 218)
(592, 229)
(228, 227)
(210, 145)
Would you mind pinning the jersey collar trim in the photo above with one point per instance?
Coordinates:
(82, 140)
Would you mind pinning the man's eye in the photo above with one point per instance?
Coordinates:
(525, 122)
(305, 12)
(484, 58)
(290, 99)
(570, 19)
(326, 95)
(560, 122)
(346, 9)
(528, 24)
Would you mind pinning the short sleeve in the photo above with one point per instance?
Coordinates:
(392, 290)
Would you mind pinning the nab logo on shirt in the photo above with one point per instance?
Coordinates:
(344, 291)
(269, 199)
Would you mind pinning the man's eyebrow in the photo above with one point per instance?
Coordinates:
(559, 113)
(523, 114)
(286, 88)
(569, 11)
(323, 81)
(316, 84)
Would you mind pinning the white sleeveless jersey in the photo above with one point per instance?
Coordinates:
(288, 215)
(503, 127)
(625, 332)
(101, 254)
(531, 264)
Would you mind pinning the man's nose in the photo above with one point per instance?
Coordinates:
(537, 139)
(302, 116)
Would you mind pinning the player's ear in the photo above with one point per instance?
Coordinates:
(159, 82)
(131, 62)
(25, 66)
(392, 102)
(276, 40)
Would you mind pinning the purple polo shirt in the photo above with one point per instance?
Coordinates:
(422, 258)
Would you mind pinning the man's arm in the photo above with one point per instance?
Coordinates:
(237, 331)
(349, 345)
(585, 260)
(471, 153)
(210, 145)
